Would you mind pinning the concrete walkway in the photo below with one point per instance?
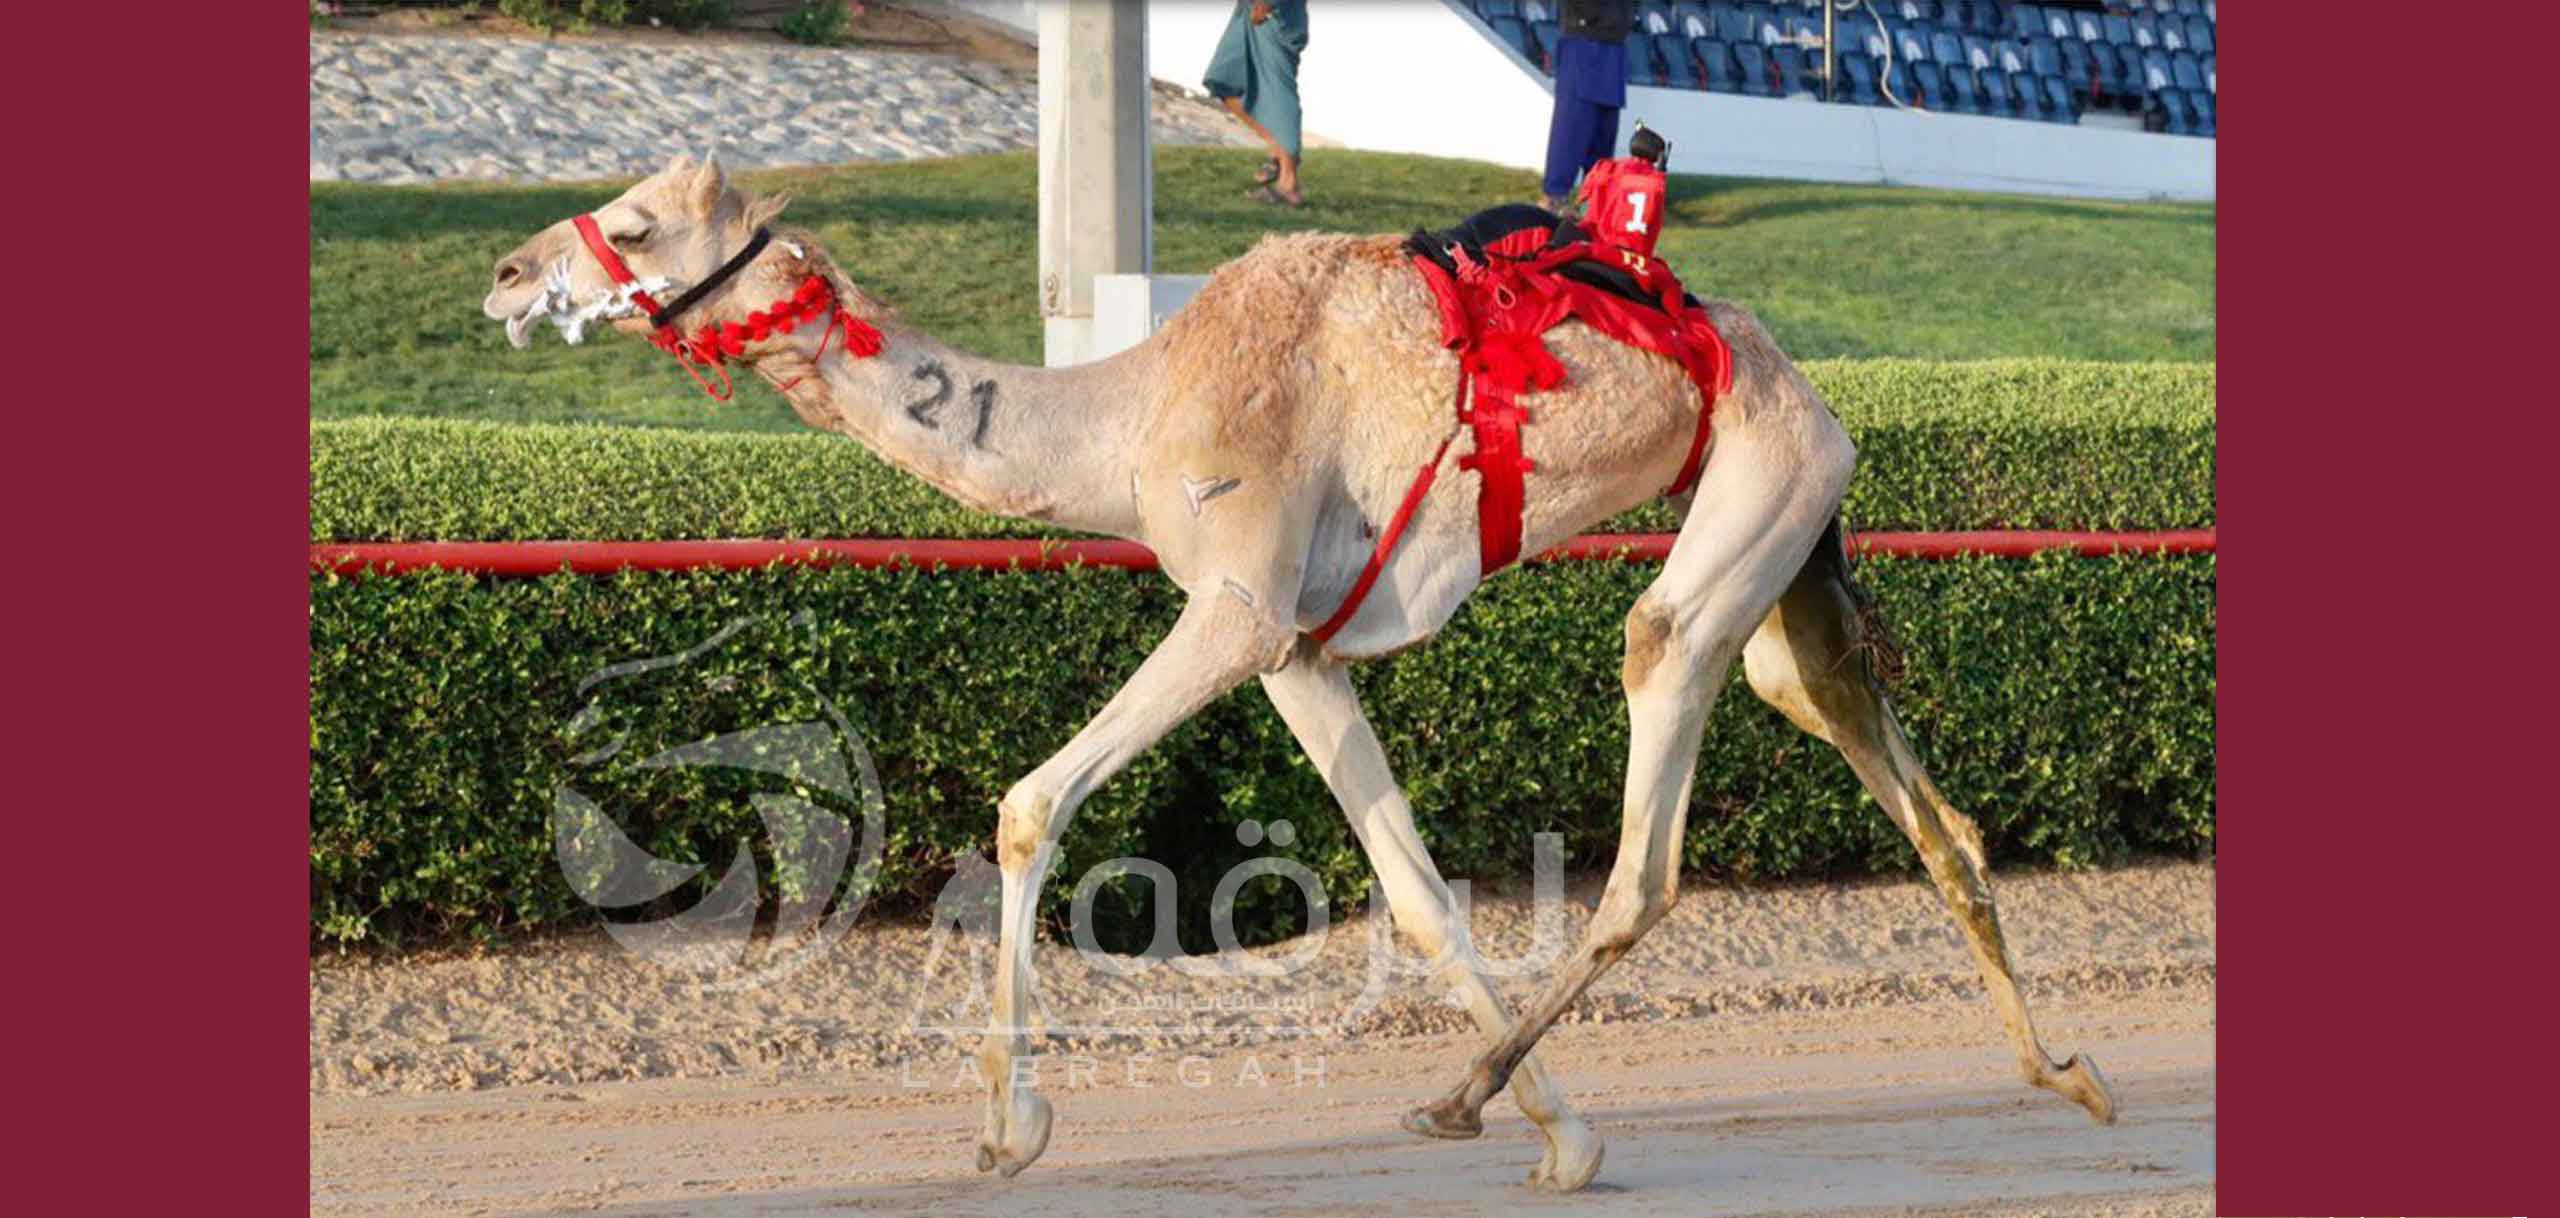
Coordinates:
(406, 108)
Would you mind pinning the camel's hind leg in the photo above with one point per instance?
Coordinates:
(1314, 696)
(1770, 487)
(1811, 660)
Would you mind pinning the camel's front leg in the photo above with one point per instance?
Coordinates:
(1314, 696)
(1221, 639)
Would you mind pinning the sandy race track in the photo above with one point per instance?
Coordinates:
(1815, 1050)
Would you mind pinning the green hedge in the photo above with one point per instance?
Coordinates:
(1991, 444)
(2067, 703)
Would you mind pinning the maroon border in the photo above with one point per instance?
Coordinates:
(159, 747)
(2380, 944)
(2377, 1046)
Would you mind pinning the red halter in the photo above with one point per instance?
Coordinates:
(712, 346)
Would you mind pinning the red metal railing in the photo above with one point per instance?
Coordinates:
(606, 557)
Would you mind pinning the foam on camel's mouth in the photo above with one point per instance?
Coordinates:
(556, 305)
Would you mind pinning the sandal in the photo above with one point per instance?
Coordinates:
(1268, 174)
(1272, 196)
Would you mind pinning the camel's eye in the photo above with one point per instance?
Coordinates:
(631, 240)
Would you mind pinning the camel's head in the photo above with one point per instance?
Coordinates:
(673, 230)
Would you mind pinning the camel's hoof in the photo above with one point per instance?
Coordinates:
(1446, 1119)
(2081, 1080)
(1025, 1133)
(1572, 1158)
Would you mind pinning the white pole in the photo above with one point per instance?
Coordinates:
(1097, 171)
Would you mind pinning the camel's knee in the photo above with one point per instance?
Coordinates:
(1652, 642)
(1627, 911)
(1022, 824)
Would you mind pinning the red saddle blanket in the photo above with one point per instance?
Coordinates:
(1495, 311)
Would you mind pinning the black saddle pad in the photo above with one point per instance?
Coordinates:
(1482, 229)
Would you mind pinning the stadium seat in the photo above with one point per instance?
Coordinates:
(2060, 102)
(1770, 26)
(2129, 70)
(2169, 110)
(2077, 68)
(1733, 26)
(1678, 70)
(2029, 96)
(2044, 58)
(2011, 59)
(2157, 76)
(1690, 19)
(1717, 58)
(1997, 101)
(1791, 73)
(1895, 84)
(2036, 62)
(1859, 74)
(1642, 67)
(1752, 60)
(1756, 15)
(1947, 49)
(1962, 96)
(2185, 72)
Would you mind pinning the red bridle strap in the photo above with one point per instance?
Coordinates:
(607, 257)
(712, 347)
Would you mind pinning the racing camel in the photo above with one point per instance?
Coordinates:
(1261, 443)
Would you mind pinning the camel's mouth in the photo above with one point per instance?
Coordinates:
(557, 304)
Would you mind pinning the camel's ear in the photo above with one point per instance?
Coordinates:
(763, 211)
(709, 183)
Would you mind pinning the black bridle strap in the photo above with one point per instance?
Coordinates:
(693, 296)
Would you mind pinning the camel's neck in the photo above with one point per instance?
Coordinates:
(1048, 444)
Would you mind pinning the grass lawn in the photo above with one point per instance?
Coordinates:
(397, 273)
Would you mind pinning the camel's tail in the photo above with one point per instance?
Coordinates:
(1875, 645)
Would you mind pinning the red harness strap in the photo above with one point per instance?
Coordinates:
(1386, 543)
(1494, 315)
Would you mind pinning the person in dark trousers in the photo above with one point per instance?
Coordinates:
(1591, 87)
